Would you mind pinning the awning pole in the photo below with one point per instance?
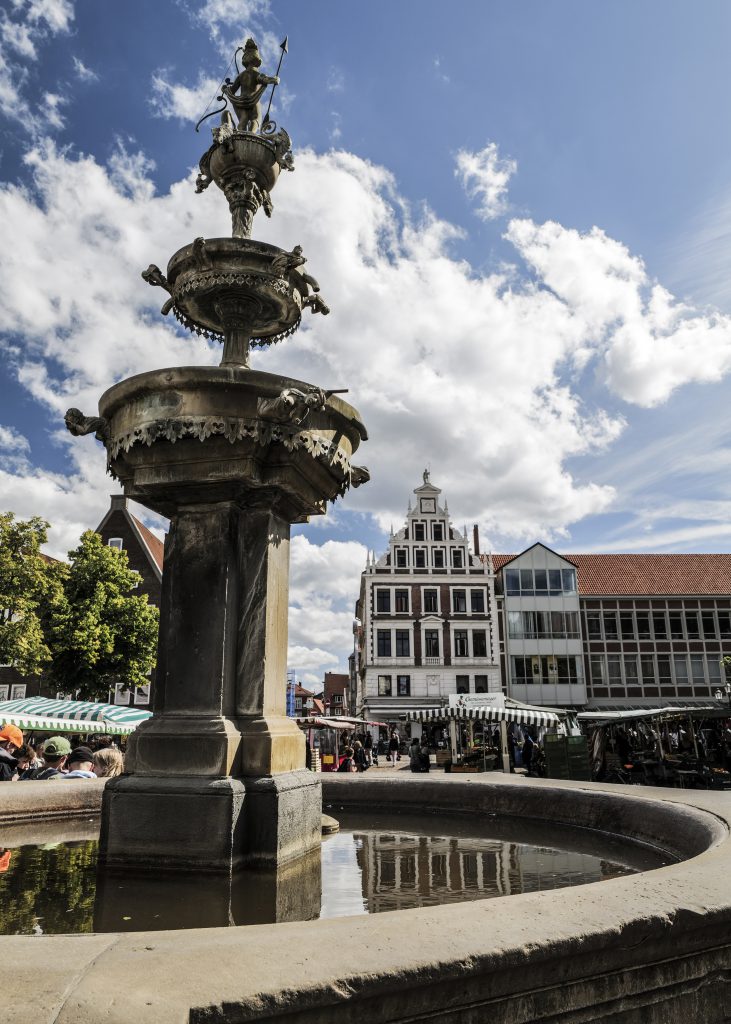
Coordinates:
(453, 739)
(504, 745)
(692, 735)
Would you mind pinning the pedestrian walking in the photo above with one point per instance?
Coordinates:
(393, 747)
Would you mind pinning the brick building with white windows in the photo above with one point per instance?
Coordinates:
(425, 617)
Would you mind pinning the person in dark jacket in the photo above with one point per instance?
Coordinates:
(55, 752)
(528, 745)
(11, 740)
(359, 756)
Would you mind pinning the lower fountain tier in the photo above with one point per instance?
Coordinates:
(189, 435)
(189, 823)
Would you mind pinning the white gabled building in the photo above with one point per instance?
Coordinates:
(426, 618)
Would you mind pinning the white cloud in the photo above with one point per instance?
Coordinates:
(22, 28)
(476, 374)
(83, 73)
(485, 175)
(335, 79)
(650, 343)
(302, 658)
(229, 22)
(12, 441)
(171, 99)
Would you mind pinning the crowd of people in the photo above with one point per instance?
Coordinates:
(56, 759)
(360, 752)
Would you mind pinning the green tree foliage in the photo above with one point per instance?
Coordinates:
(30, 586)
(101, 632)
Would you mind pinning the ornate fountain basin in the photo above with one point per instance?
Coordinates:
(206, 279)
(244, 149)
(206, 434)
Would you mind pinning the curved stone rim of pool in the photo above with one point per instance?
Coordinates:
(649, 947)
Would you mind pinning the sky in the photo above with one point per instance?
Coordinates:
(519, 213)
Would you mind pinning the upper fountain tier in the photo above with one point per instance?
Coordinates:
(234, 289)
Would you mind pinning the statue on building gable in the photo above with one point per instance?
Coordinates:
(426, 476)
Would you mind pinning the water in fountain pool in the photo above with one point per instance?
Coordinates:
(374, 864)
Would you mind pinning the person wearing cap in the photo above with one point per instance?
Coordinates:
(80, 764)
(55, 752)
(11, 740)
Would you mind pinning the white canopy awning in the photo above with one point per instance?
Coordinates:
(318, 722)
(522, 715)
(637, 713)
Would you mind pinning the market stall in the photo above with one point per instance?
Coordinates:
(40, 716)
(673, 745)
(469, 746)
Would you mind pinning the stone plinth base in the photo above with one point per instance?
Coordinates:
(172, 824)
(282, 815)
(152, 823)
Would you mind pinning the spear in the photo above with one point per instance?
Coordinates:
(285, 49)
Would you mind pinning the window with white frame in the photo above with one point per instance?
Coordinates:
(461, 647)
(457, 562)
(384, 686)
(403, 644)
(477, 601)
(116, 543)
(431, 643)
(401, 600)
(383, 643)
(459, 601)
(479, 643)
(437, 531)
(383, 601)
(431, 600)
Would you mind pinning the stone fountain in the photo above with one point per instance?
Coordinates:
(216, 779)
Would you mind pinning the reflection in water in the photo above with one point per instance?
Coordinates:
(48, 889)
(389, 865)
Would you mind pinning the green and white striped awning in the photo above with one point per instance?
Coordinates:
(41, 714)
(522, 715)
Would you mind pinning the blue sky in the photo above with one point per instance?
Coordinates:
(519, 215)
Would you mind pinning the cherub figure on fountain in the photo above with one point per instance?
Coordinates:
(247, 89)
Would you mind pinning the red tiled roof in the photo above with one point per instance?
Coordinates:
(156, 546)
(647, 575)
(335, 682)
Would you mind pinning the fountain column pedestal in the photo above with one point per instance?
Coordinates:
(216, 779)
(219, 749)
